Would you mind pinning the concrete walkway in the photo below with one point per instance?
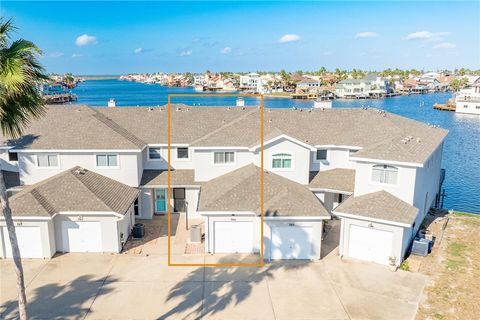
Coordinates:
(141, 286)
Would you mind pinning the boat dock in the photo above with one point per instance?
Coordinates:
(444, 107)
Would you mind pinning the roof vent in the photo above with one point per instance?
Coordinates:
(178, 109)
(270, 120)
(294, 108)
(81, 171)
(150, 109)
(418, 140)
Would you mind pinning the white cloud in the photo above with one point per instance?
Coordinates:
(138, 50)
(445, 45)
(186, 53)
(427, 35)
(85, 39)
(56, 54)
(366, 34)
(226, 50)
(286, 38)
(77, 55)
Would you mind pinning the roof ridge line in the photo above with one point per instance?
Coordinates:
(43, 201)
(90, 189)
(117, 128)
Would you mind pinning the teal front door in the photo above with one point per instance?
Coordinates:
(160, 200)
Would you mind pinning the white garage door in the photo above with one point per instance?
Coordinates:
(370, 244)
(292, 242)
(81, 236)
(233, 237)
(29, 242)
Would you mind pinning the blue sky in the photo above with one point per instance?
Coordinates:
(122, 37)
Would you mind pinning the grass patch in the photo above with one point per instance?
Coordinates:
(466, 214)
(457, 249)
(438, 316)
(405, 266)
(454, 265)
(457, 252)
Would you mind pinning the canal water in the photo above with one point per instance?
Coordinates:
(461, 156)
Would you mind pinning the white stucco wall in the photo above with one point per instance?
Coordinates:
(46, 235)
(336, 158)
(126, 172)
(300, 170)
(404, 189)
(5, 163)
(124, 227)
(206, 170)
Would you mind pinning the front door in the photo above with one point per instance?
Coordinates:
(179, 199)
(160, 200)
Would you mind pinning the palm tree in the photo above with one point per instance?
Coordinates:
(20, 101)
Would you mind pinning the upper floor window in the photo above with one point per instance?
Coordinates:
(107, 160)
(385, 174)
(47, 160)
(182, 153)
(223, 157)
(321, 154)
(154, 153)
(281, 161)
(12, 156)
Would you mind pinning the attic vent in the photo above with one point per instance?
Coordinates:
(81, 171)
(178, 109)
(150, 109)
(270, 120)
(418, 140)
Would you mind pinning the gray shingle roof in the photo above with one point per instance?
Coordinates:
(379, 134)
(75, 189)
(335, 179)
(240, 191)
(177, 177)
(379, 205)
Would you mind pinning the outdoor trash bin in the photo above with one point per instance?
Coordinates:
(138, 230)
(195, 234)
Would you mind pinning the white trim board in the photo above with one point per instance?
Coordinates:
(358, 217)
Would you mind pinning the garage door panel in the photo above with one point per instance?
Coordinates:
(292, 242)
(233, 237)
(370, 244)
(29, 242)
(81, 236)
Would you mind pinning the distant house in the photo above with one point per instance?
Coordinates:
(372, 85)
(251, 82)
(308, 85)
(468, 100)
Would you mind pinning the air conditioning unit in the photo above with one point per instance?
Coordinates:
(421, 247)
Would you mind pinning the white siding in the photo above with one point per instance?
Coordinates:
(127, 171)
(336, 158)
(125, 226)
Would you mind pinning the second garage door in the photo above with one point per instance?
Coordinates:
(29, 242)
(292, 242)
(370, 244)
(233, 237)
(81, 236)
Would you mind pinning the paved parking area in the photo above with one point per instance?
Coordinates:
(126, 286)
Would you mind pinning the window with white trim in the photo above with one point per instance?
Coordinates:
(282, 161)
(154, 153)
(107, 160)
(321, 154)
(223, 157)
(384, 174)
(47, 160)
(182, 153)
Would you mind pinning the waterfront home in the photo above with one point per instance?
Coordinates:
(308, 85)
(86, 174)
(468, 100)
(372, 85)
(251, 82)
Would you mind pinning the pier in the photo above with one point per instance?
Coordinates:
(444, 107)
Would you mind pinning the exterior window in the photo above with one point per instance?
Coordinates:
(221, 157)
(182, 153)
(352, 152)
(154, 153)
(465, 106)
(321, 154)
(281, 161)
(107, 160)
(12, 156)
(47, 160)
(384, 174)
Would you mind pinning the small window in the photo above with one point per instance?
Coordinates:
(321, 154)
(352, 152)
(107, 160)
(154, 153)
(384, 174)
(182, 153)
(221, 157)
(282, 161)
(47, 160)
(12, 156)
(465, 106)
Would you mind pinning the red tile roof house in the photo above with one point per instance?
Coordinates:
(88, 173)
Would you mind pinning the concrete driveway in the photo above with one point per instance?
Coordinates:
(140, 286)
